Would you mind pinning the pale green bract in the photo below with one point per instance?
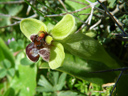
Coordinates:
(61, 30)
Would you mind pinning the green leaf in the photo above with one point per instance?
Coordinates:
(81, 68)
(20, 43)
(53, 84)
(55, 78)
(14, 9)
(112, 3)
(90, 33)
(63, 28)
(7, 54)
(24, 82)
(88, 48)
(13, 45)
(46, 86)
(6, 64)
(31, 26)
(4, 21)
(58, 81)
(3, 73)
(26, 61)
(122, 85)
(61, 81)
(11, 72)
(10, 92)
(1, 55)
(16, 46)
(57, 55)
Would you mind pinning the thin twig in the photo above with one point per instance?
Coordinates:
(18, 18)
(29, 8)
(118, 69)
(15, 23)
(118, 7)
(92, 5)
(11, 24)
(46, 6)
(34, 8)
(82, 26)
(84, 14)
(55, 15)
(114, 19)
(97, 15)
(63, 5)
(1, 14)
(116, 82)
(60, 9)
(118, 34)
(92, 10)
(79, 2)
(113, 12)
(33, 16)
(12, 2)
(108, 85)
(79, 19)
(100, 10)
(97, 23)
(90, 17)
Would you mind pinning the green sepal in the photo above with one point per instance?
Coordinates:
(31, 26)
(57, 55)
(63, 28)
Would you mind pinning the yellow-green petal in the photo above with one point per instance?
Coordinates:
(63, 28)
(31, 26)
(57, 55)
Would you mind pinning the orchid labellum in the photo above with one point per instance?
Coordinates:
(39, 47)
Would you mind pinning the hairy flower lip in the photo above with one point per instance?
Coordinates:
(33, 53)
(45, 54)
(38, 47)
(30, 53)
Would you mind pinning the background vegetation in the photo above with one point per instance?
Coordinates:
(103, 23)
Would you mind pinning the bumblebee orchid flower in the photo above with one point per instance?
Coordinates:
(46, 43)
